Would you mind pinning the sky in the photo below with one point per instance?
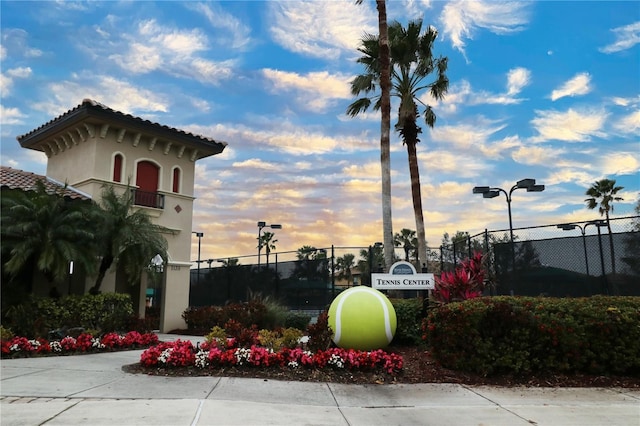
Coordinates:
(545, 90)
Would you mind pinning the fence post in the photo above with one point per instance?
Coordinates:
(333, 274)
(469, 244)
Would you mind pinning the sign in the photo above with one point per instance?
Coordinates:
(402, 276)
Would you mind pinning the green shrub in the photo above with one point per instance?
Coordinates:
(496, 335)
(297, 320)
(5, 333)
(206, 317)
(38, 316)
(409, 320)
(217, 335)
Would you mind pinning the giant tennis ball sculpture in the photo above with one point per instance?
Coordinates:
(362, 318)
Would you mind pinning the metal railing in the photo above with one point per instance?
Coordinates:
(147, 198)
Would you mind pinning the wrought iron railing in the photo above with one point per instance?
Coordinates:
(148, 199)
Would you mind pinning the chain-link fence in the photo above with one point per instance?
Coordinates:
(570, 259)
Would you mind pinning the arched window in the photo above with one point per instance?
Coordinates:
(176, 180)
(117, 168)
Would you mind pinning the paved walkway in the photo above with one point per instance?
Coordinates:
(93, 389)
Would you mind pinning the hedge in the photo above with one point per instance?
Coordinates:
(498, 335)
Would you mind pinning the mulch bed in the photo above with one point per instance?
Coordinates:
(419, 367)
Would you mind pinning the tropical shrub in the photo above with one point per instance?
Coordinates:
(519, 335)
(297, 320)
(320, 333)
(466, 282)
(409, 321)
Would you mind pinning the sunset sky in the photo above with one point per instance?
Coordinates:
(545, 90)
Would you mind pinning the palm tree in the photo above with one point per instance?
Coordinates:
(267, 241)
(344, 265)
(412, 61)
(385, 126)
(602, 194)
(45, 231)
(128, 237)
(406, 239)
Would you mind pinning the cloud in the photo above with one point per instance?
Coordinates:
(116, 94)
(466, 136)
(517, 79)
(233, 32)
(171, 50)
(321, 29)
(629, 123)
(6, 80)
(578, 85)
(626, 37)
(255, 163)
(461, 19)
(11, 116)
(461, 93)
(537, 155)
(15, 43)
(569, 126)
(316, 90)
(620, 163)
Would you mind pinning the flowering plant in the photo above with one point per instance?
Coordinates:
(466, 282)
(185, 354)
(23, 347)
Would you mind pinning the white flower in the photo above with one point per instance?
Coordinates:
(336, 361)
(293, 364)
(242, 355)
(14, 348)
(55, 346)
(164, 356)
(202, 359)
(95, 343)
(34, 343)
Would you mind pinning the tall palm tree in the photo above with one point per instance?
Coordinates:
(45, 231)
(602, 194)
(406, 239)
(267, 241)
(384, 65)
(128, 237)
(412, 61)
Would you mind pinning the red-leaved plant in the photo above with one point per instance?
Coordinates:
(466, 282)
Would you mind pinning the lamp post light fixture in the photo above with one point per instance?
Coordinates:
(199, 235)
(261, 225)
(490, 192)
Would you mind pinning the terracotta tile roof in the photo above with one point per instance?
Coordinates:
(91, 106)
(26, 181)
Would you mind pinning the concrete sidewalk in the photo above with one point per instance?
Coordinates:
(93, 389)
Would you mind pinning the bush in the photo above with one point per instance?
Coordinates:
(297, 320)
(207, 317)
(496, 335)
(409, 316)
(38, 316)
(320, 333)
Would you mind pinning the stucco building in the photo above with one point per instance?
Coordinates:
(92, 145)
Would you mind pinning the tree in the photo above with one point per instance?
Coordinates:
(311, 263)
(406, 239)
(267, 241)
(412, 62)
(45, 231)
(128, 238)
(344, 265)
(602, 194)
(384, 67)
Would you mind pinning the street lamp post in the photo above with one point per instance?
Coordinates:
(489, 192)
(583, 231)
(199, 235)
(261, 225)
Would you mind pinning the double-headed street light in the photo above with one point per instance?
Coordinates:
(583, 231)
(260, 226)
(489, 192)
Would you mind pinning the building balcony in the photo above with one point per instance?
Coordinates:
(148, 199)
